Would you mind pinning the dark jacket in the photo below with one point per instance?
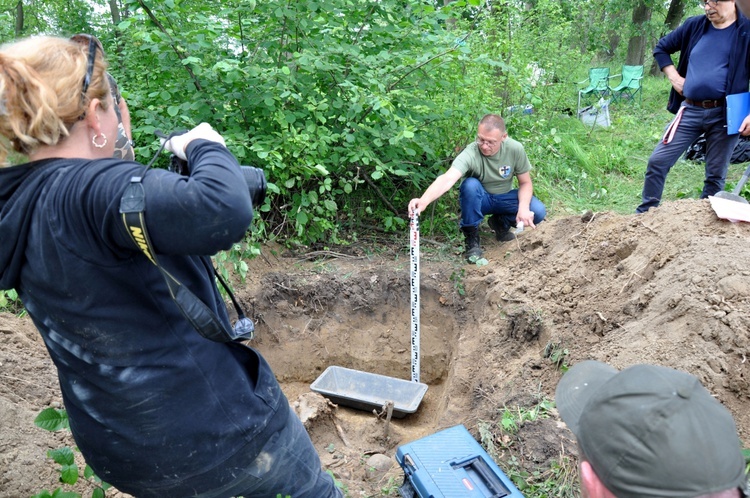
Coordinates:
(684, 38)
(150, 401)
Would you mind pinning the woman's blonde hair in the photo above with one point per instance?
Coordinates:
(41, 85)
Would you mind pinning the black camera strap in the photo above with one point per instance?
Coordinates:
(200, 316)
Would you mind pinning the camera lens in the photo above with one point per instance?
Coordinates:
(256, 184)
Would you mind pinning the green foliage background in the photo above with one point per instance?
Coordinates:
(352, 107)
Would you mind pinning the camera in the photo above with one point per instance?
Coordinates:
(254, 178)
(256, 184)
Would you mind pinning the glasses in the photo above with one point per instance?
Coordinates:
(93, 44)
(712, 3)
(90, 68)
(491, 143)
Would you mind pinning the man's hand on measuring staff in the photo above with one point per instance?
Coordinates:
(415, 207)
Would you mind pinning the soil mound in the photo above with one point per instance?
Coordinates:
(668, 287)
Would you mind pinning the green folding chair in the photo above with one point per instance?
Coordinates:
(630, 84)
(598, 85)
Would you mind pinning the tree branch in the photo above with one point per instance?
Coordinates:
(418, 66)
(172, 43)
(383, 198)
(437, 56)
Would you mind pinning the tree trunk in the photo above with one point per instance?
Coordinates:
(614, 42)
(674, 16)
(19, 19)
(114, 10)
(178, 51)
(637, 42)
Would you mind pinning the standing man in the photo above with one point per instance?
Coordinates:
(714, 62)
(650, 431)
(489, 164)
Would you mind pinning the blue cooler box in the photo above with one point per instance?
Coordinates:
(451, 464)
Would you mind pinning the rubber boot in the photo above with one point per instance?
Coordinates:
(502, 233)
(473, 250)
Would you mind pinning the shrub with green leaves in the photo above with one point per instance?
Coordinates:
(54, 419)
(11, 303)
(353, 107)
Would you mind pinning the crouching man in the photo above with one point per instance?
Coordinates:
(489, 165)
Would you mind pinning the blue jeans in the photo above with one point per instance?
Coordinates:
(719, 148)
(288, 464)
(476, 203)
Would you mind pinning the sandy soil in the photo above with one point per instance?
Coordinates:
(669, 287)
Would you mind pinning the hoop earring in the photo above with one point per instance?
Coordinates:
(99, 146)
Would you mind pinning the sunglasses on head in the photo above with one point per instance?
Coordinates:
(93, 44)
(90, 67)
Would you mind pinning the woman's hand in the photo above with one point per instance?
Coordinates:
(177, 144)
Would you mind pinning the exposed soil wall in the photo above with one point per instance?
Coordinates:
(669, 287)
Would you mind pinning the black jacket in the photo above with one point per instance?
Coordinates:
(684, 38)
(150, 401)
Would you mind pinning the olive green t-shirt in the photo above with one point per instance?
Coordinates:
(495, 172)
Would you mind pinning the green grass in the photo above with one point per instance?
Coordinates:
(558, 480)
(577, 167)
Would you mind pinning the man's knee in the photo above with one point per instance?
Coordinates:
(539, 210)
(662, 160)
(470, 185)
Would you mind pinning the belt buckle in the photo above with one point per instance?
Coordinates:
(708, 104)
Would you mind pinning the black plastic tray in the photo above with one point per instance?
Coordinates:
(369, 391)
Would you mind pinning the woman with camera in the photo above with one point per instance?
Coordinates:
(156, 409)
